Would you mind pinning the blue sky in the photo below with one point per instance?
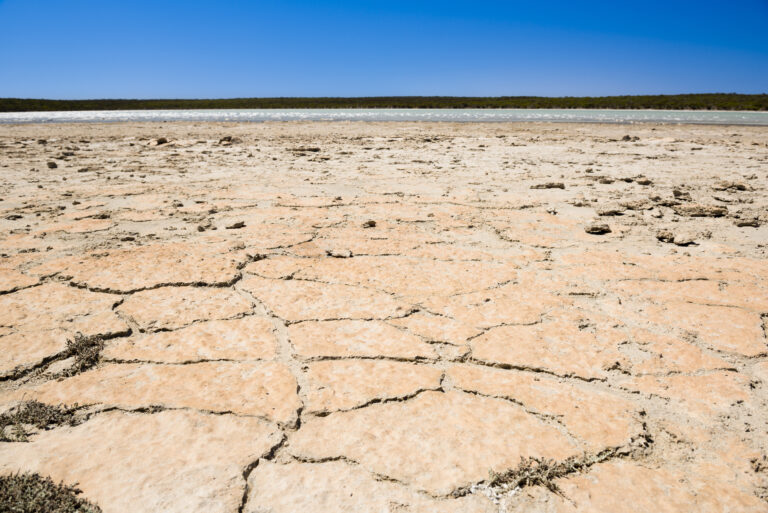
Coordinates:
(222, 49)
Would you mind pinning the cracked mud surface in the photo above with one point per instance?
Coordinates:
(388, 317)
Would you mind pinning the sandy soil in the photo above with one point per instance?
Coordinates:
(388, 317)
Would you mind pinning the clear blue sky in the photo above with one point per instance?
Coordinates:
(220, 49)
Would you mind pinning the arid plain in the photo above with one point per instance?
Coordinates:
(405, 317)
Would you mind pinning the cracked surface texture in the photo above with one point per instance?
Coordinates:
(388, 317)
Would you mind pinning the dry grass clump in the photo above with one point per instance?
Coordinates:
(86, 352)
(34, 413)
(32, 493)
(544, 472)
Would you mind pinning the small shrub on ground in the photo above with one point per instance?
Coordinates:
(545, 472)
(33, 413)
(32, 493)
(86, 352)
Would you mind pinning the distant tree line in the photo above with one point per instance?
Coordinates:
(715, 101)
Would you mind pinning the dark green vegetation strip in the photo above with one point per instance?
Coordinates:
(716, 101)
(32, 493)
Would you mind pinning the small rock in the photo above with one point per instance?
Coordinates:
(237, 225)
(644, 181)
(685, 239)
(699, 210)
(161, 140)
(369, 224)
(177, 204)
(580, 202)
(52, 165)
(638, 204)
(752, 223)
(339, 253)
(727, 185)
(549, 185)
(610, 210)
(681, 195)
(597, 228)
(606, 181)
(679, 239)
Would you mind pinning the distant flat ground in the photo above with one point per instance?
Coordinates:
(331, 317)
(628, 116)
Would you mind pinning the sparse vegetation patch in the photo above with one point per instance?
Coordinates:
(86, 352)
(32, 493)
(544, 472)
(33, 413)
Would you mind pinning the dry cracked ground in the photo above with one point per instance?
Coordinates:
(387, 317)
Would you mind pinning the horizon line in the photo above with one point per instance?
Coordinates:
(378, 96)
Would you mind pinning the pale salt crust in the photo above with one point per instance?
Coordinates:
(431, 115)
